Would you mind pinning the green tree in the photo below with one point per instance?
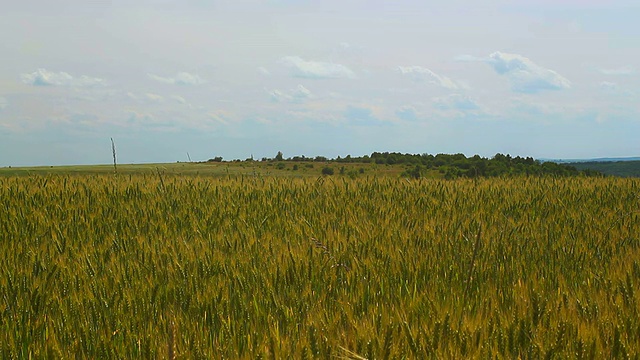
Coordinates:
(415, 173)
(327, 170)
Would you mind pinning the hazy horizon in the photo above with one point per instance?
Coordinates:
(555, 80)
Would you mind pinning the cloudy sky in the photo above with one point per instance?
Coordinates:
(544, 78)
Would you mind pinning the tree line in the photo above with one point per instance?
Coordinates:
(450, 165)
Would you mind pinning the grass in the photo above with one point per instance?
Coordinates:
(185, 265)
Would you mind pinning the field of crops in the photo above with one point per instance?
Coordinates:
(144, 266)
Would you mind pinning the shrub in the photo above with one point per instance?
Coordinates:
(327, 170)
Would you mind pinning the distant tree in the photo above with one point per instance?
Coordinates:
(391, 159)
(451, 173)
(416, 172)
(327, 170)
(279, 156)
(499, 157)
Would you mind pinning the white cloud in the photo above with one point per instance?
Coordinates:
(145, 98)
(359, 113)
(608, 86)
(468, 58)
(263, 71)
(296, 95)
(316, 69)
(625, 70)
(418, 73)
(136, 117)
(278, 96)
(161, 79)
(574, 27)
(543, 111)
(363, 115)
(407, 113)
(524, 75)
(43, 77)
(219, 116)
(3, 103)
(455, 102)
(179, 99)
(83, 118)
(154, 97)
(182, 78)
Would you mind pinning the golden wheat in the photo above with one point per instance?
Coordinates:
(246, 267)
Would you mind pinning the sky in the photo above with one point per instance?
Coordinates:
(170, 80)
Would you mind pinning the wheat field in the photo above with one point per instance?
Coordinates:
(152, 266)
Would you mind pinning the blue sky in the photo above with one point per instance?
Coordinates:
(548, 79)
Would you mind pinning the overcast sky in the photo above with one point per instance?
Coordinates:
(548, 79)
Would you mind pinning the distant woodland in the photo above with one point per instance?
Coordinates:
(615, 168)
(451, 166)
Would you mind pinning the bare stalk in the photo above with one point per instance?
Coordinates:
(115, 163)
